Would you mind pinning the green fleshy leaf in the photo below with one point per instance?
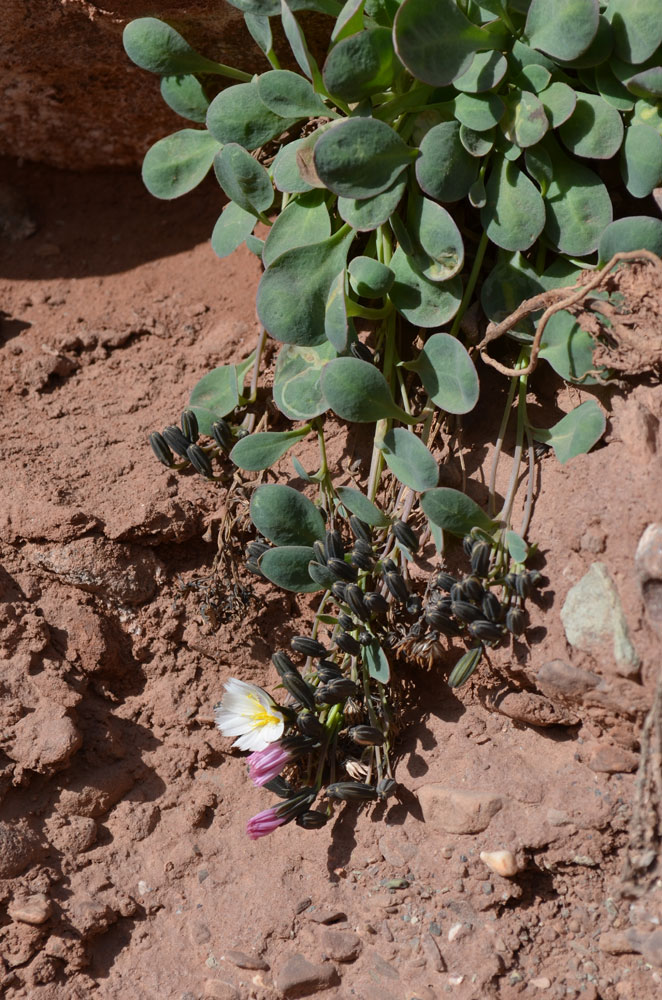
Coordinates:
(301, 472)
(563, 30)
(293, 291)
(648, 113)
(514, 215)
(444, 170)
(297, 391)
(409, 460)
(362, 64)
(637, 28)
(377, 662)
(525, 122)
(598, 51)
(287, 567)
(476, 143)
(325, 578)
(357, 503)
(338, 326)
(244, 180)
(438, 235)
(255, 245)
(522, 55)
(505, 287)
(577, 202)
(175, 165)
(576, 433)
(567, 348)
(214, 396)
(641, 160)
(454, 511)
(479, 111)
(448, 374)
(239, 116)
(297, 40)
(361, 157)
(477, 194)
(465, 667)
(368, 213)
(153, 45)
(369, 278)
(285, 169)
(349, 20)
(594, 130)
(232, 227)
(517, 547)
(424, 303)
(185, 95)
(486, 71)
(435, 41)
(289, 95)
(612, 90)
(648, 83)
(357, 391)
(259, 28)
(534, 78)
(636, 232)
(304, 221)
(285, 516)
(539, 165)
(260, 451)
(559, 101)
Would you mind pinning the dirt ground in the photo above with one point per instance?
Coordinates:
(125, 871)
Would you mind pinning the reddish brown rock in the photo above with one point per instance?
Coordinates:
(18, 847)
(341, 945)
(300, 978)
(35, 909)
(458, 810)
(45, 740)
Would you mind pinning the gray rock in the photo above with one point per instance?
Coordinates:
(219, 989)
(648, 944)
(648, 564)
(558, 679)
(301, 978)
(458, 810)
(244, 961)
(341, 945)
(594, 622)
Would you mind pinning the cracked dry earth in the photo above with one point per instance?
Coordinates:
(124, 868)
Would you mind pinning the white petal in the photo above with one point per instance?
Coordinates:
(254, 740)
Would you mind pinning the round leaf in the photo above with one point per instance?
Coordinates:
(504, 288)
(232, 227)
(260, 451)
(338, 327)
(517, 547)
(377, 662)
(648, 83)
(243, 179)
(155, 46)
(297, 391)
(238, 115)
(594, 130)
(361, 157)
(184, 94)
(285, 516)
(293, 291)
(636, 232)
(358, 503)
(448, 374)
(369, 213)
(479, 111)
(577, 202)
(362, 64)
(287, 567)
(409, 460)
(304, 221)
(567, 348)
(424, 303)
(454, 511)
(641, 160)
(598, 51)
(177, 164)
(514, 214)
(369, 278)
(612, 90)
(439, 237)
(357, 391)
(214, 396)
(435, 41)
(563, 29)
(576, 433)
(525, 122)
(486, 71)
(476, 143)
(559, 102)
(637, 28)
(535, 78)
(285, 169)
(289, 95)
(444, 170)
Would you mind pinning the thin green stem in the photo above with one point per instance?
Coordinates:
(471, 284)
(259, 351)
(519, 440)
(499, 445)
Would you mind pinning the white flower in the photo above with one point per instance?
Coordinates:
(249, 713)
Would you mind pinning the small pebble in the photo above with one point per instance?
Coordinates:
(31, 910)
(302, 905)
(501, 862)
(541, 983)
(435, 929)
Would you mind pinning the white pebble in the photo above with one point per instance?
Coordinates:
(454, 931)
(501, 862)
(542, 983)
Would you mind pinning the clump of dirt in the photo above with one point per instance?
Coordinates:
(520, 855)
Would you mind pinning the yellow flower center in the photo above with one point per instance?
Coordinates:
(262, 716)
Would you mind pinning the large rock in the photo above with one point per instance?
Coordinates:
(71, 96)
(458, 810)
(594, 622)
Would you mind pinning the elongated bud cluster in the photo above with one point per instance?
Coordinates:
(302, 692)
(161, 450)
(367, 736)
(309, 647)
(200, 461)
(189, 423)
(406, 535)
(222, 434)
(176, 440)
(352, 791)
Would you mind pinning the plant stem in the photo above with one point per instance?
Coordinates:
(259, 350)
(499, 445)
(471, 284)
(517, 456)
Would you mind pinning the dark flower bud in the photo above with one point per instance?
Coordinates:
(350, 791)
(243, 432)
(327, 670)
(342, 570)
(308, 647)
(310, 726)
(468, 544)
(466, 612)
(341, 688)
(222, 435)
(473, 588)
(365, 638)
(359, 529)
(361, 560)
(200, 461)
(367, 736)
(439, 619)
(375, 603)
(338, 590)
(465, 667)
(346, 623)
(492, 607)
(312, 820)
(176, 440)
(296, 804)
(302, 692)
(396, 585)
(323, 695)
(257, 549)
(253, 567)
(437, 601)
(406, 535)
(279, 787)
(347, 643)
(333, 545)
(354, 597)
(161, 449)
(511, 580)
(487, 631)
(283, 664)
(388, 566)
(515, 620)
(386, 788)
(480, 558)
(535, 578)
(522, 585)
(445, 581)
(414, 605)
(362, 546)
(189, 423)
(320, 553)
(362, 352)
